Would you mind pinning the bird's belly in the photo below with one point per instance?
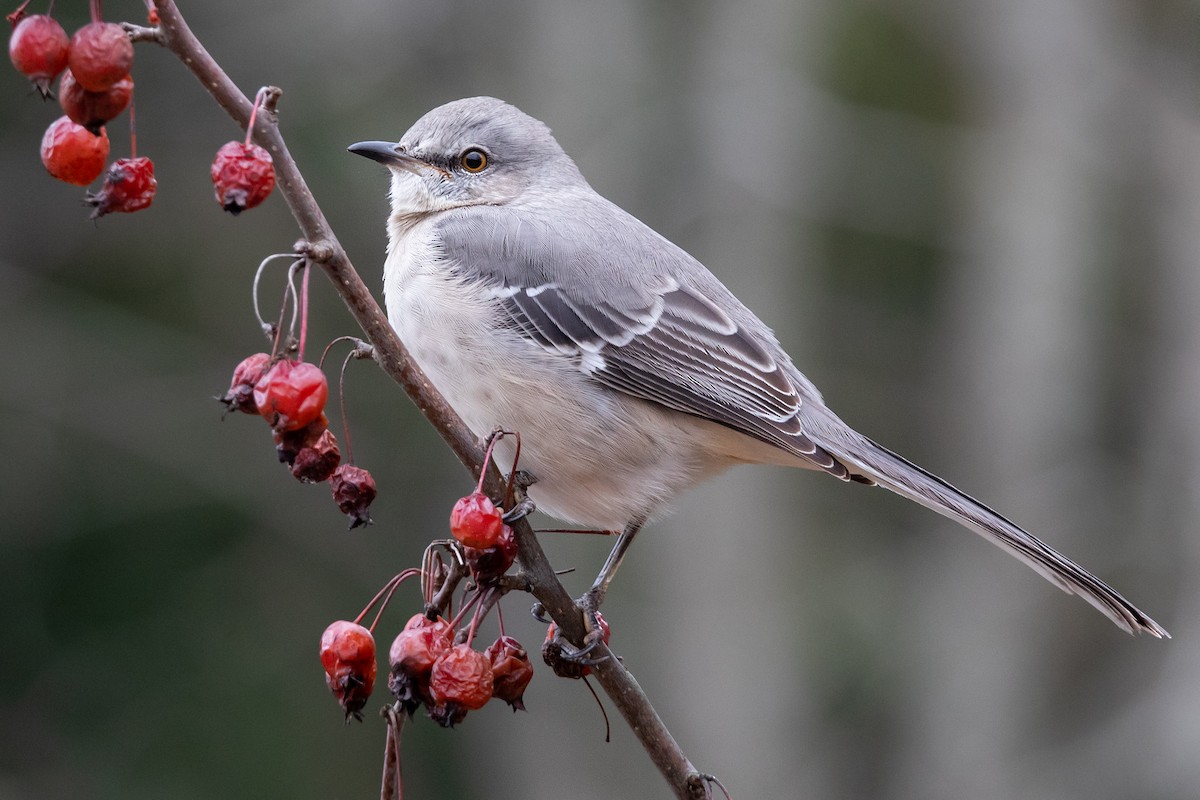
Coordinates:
(601, 459)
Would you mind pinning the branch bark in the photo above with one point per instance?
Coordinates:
(323, 248)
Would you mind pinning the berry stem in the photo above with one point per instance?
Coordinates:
(342, 408)
(266, 326)
(303, 309)
(467, 606)
(385, 593)
(392, 783)
(258, 98)
(95, 6)
(132, 128)
(359, 348)
(603, 713)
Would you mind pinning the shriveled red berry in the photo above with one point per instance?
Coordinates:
(511, 671)
(291, 394)
(318, 461)
(129, 186)
(93, 109)
(240, 396)
(72, 154)
(101, 54)
(353, 490)
(38, 49)
(475, 521)
(242, 175)
(348, 656)
(489, 563)
(411, 658)
(462, 677)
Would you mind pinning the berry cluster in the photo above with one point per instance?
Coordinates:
(431, 661)
(290, 394)
(95, 88)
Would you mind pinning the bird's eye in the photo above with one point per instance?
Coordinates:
(473, 160)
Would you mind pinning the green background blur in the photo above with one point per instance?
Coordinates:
(975, 224)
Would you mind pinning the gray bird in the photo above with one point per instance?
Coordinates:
(535, 305)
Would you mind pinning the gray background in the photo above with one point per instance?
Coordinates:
(975, 225)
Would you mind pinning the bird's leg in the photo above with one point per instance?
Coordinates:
(592, 599)
(565, 659)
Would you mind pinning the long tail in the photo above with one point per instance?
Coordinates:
(907, 479)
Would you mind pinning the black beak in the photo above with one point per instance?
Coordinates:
(383, 152)
(388, 154)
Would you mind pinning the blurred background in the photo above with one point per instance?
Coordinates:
(974, 223)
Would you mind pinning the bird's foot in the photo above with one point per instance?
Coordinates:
(564, 657)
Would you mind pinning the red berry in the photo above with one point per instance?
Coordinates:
(353, 490)
(129, 186)
(101, 55)
(511, 671)
(411, 659)
(489, 563)
(242, 175)
(316, 462)
(72, 154)
(348, 656)
(38, 49)
(475, 521)
(462, 677)
(93, 109)
(240, 396)
(291, 394)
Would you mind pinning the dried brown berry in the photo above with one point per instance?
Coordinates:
(353, 490)
(288, 444)
(511, 671)
(243, 175)
(318, 461)
(93, 109)
(101, 55)
(38, 49)
(72, 154)
(129, 186)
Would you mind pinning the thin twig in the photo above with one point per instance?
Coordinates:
(321, 246)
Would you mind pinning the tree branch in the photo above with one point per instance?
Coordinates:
(321, 245)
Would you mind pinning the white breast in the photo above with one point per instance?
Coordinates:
(601, 458)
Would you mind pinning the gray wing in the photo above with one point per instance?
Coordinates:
(652, 322)
(663, 329)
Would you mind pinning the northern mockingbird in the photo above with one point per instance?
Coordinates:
(534, 304)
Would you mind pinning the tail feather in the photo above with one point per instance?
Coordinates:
(900, 475)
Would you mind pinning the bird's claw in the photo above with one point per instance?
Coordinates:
(521, 509)
(567, 660)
